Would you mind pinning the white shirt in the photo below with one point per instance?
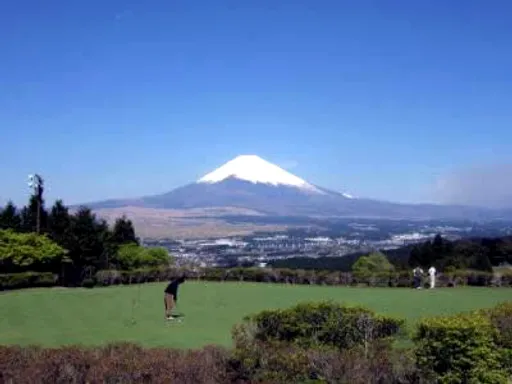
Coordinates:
(432, 271)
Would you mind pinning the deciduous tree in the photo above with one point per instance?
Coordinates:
(29, 251)
(374, 263)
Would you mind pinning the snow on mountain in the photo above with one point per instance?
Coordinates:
(248, 182)
(254, 169)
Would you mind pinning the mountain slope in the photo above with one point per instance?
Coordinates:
(252, 183)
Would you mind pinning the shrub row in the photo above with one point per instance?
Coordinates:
(128, 363)
(118, 363)
(298, 276)
(27, 280)
(286, 276)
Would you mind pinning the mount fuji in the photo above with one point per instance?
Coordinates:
(251, 183)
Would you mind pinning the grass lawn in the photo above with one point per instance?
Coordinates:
(57, 316)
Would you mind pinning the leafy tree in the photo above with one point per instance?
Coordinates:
(131, 256)
(29, 251)
(374, 263)
(10, 217)
(158, 256)
(123, 232)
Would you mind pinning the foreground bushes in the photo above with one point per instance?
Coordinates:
(278, 362)
(301, 351)
(501, 318)
(119, 363)
(321, 324)
(325, 342)
(308, 343)
(263, 275)
(459, 349)
(128, 363)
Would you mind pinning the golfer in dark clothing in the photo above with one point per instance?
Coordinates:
(171, 296)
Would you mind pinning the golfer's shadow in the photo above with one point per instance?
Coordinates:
(178, 315)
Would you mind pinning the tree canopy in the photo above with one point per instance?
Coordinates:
(374, 263)
(477, 254)
(28, 250)
(132, 256)
(123, 231)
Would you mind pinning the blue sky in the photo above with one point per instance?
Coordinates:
(377, 98)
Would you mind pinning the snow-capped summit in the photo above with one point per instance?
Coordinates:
(254, 169)
(252, 185)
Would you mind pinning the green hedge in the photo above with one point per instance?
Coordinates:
(297, 276)
(263, 275)
(10, 281)
(466, 348)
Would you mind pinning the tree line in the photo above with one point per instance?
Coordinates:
(472, 253)
(73, 245)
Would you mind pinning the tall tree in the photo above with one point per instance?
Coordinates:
(88, 243)
(29, 215)
(59, 224)
(123, 232)
(10, 217)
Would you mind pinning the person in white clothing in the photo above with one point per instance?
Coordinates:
(432, 274)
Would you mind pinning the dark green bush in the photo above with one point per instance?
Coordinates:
(27, 280)
(459, 349)
(501, 318)
(88, 283)
(324, 323)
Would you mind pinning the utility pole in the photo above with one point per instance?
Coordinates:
(35, 182)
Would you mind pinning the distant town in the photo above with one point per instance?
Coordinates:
(339, 241)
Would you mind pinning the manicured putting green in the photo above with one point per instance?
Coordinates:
(57, 316)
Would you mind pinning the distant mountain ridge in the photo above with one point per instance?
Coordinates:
(253, 183)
